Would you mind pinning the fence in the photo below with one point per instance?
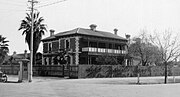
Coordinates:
(53, 70)
(56, 70)
(48, 70)
(10, 69)
(95, 71)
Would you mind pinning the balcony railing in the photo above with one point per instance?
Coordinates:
(103, 50)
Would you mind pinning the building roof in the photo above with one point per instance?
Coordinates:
(20, 56)
(88, 32)
(49, 38)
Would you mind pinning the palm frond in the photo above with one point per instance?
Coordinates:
(5, 41)
(37, 14)
(39, 28)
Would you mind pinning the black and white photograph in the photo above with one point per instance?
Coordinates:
(89, 48)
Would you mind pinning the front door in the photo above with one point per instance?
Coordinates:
(67, 66)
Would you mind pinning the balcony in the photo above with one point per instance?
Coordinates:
(103, 50)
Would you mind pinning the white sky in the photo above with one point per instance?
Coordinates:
(128, 16)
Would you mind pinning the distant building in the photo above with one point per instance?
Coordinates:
(84, 46)
(14, 57)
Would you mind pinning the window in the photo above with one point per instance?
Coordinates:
(67, 43)
(45, 47)
(85, 43)
(50, 47)
(102, 45)
(93, 44)
(45, 61)
(50, 61)
(110, 46)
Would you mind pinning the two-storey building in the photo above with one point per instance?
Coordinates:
(84, 46)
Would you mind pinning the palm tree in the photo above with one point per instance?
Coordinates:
(39, 30)
(3, 48)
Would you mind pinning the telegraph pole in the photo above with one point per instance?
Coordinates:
(30, 73)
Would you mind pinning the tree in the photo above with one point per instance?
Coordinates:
(3, 48)
(143, 49)
(169, 48)
(61, 57)
(39, 30)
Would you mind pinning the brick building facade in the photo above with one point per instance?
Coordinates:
(84, 46)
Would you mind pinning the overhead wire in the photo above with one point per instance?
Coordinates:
(45, 1)
(16, 3)
(49, 4)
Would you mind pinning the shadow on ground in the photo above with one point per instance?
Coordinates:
(11, 82)
(142, 82)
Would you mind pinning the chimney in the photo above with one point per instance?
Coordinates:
(93, 27)
(14, 53)
(52, 32)
(128, 36)
(115, 31)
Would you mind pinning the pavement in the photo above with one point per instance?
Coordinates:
(94, 87)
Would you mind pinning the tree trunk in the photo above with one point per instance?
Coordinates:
(165, 72)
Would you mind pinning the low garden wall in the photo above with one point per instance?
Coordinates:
(100, 71)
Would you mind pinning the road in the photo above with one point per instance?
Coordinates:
(99, 87)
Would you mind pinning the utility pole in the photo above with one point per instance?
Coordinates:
(30, 73)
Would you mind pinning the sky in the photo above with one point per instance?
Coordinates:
(128, 16)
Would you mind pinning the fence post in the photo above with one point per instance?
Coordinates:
(63, 69)
(138, 75)
(174, 79)
(20, 72)
(111, 71)
(138, 80)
